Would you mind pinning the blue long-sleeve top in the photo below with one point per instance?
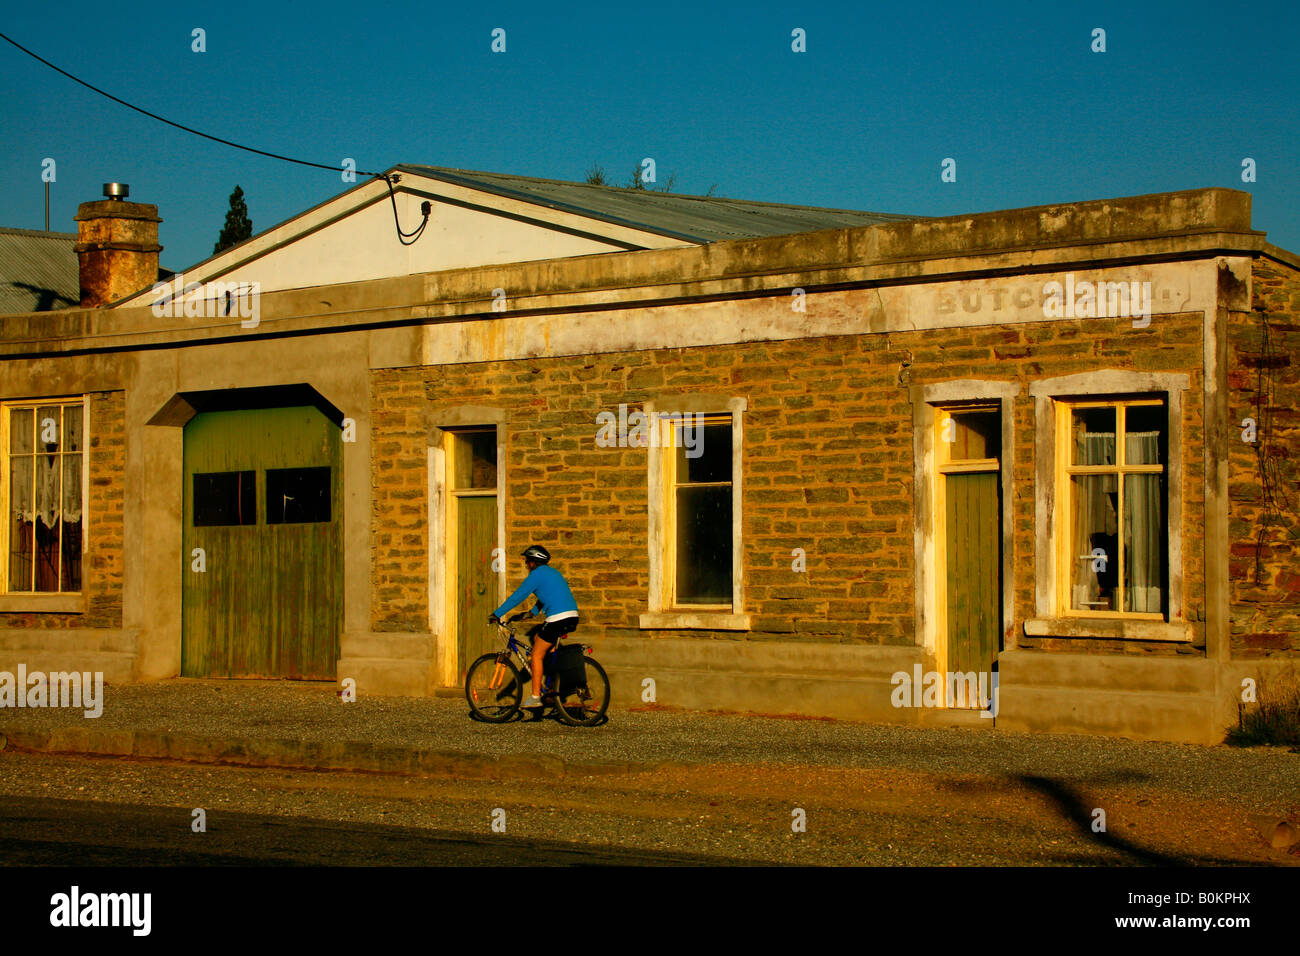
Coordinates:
(553, 594)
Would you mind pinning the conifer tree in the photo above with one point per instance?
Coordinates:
(238, 226)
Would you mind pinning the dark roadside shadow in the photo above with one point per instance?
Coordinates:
(58, 832)
(1071, 805)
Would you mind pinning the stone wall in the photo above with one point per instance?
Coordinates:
(827, 468)
(1264, 475)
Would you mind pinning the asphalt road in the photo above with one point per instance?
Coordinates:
(66, 810)
(83, 833)
(1259, 780)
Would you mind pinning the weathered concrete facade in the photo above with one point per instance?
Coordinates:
(832, 392)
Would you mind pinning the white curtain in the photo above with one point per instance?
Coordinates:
(1143, 527)
(47, 506)
(1095, 524)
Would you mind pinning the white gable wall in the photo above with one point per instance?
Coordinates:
(365, 246)
(353, 238)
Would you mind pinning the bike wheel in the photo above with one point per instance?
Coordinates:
(585, 705)
(493, 688)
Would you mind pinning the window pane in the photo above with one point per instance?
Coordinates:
(1095, 542)
(20, 430)
(47, 517)
(1093, 436)
(49, 428)
(1144, 543)
(297, 495)
(703, 451)
(22, 522)
(72, 415)
(704, 545)
(475, 460)
(71, 530)
(1144, 435)
(976, 435)
(224, 498)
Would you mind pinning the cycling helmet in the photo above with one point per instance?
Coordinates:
(539, 554)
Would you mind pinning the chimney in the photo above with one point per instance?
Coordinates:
(117, 246)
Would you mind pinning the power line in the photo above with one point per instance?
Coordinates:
(163, 119)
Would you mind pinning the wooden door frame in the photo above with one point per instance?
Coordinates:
(443, 424)
(929, 554)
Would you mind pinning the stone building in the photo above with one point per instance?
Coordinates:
(791, 460)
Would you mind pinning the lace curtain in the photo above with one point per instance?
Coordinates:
(47, 507)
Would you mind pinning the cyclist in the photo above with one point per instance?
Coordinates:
(554, 599)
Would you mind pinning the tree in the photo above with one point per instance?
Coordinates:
(596, 177)
(638, 183)
(238, 226)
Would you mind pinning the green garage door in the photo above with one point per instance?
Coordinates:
(263, 502)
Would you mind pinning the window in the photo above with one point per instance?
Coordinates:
(1112, 455)
(43, 491)
(701, 508)
(224, 498)
(970, 439)
(474, 460)
(693, 459)
(297, 495)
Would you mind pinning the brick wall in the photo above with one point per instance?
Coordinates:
(101, 567)
(828, 467)
(1264, 494)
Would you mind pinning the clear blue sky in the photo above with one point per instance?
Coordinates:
(711, 91)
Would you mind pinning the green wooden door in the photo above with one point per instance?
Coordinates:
(974, 562)
(476, 583)
(263, 502)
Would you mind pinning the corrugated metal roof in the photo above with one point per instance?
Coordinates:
(38, 271)
(693, 218)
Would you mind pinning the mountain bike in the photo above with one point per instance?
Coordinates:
(573, 681)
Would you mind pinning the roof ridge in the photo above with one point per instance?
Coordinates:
(623, 190)
(37, 233)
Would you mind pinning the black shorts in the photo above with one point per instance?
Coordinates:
(552, 631)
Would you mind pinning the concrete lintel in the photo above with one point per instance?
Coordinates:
(440, 419)
(964, 390)
(697, 403)
(176, 413)
(1109, 381)
(460, 416)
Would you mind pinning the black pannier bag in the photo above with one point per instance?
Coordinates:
(571, 665)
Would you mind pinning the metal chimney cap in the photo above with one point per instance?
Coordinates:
(116, 190)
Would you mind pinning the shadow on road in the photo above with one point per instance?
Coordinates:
(1070, 803)
(48, 832)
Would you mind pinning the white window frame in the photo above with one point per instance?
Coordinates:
(662, 614)
(1052, 619)
(69, 602)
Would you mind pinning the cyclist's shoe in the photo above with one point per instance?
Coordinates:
(532, 701)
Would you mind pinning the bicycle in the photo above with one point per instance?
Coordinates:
(576, 686)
